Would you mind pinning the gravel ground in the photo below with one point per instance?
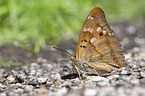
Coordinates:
(45, 79)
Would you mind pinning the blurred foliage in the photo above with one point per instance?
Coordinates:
(32, 24)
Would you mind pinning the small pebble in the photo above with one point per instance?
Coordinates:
(11, 78)
(62, 91)
(19, 91)
(34, 64)
(96, 78)
(28, 88)
(135, 81)
(42, 80)
(90, 92)
(103, 84)
(3, 94)
(43, 90)
(142, 74)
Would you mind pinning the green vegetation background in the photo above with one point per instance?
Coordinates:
(32, 24)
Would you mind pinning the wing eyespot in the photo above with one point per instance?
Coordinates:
(85, 40)
(84, 46)
(101, 34)
(115, 59)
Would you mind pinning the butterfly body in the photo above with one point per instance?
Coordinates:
(98, 50)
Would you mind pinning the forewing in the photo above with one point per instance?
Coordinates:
(93, 26)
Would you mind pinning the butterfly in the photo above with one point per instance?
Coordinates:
(98, 51)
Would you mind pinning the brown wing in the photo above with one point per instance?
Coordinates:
(94, 23)
(104, 54)
(97, 48)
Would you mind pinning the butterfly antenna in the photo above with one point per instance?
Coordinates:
(60, 49)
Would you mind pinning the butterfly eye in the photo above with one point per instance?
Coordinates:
(101, 33)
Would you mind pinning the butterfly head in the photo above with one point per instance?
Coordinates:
(72, 58)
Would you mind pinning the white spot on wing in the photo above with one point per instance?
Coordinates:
(85, 29)
(99, 29)
(104, 31)
(113, 34)
(89, 17)
(92, 18)
(109, 34)
(89, 29)
(93, 39)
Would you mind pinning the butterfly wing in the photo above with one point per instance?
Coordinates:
(106, 56)
(94, 22)
(98, 49)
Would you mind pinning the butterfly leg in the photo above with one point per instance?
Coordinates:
(73, 68)
(84, 66)
(96, 72)
(78, 72)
